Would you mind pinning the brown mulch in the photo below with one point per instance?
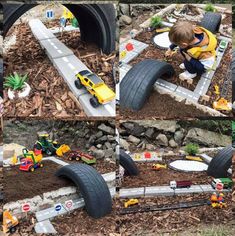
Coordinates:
(79, 223)
(149, 177)
(50, 96)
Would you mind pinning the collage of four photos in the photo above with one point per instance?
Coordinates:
(117, 117)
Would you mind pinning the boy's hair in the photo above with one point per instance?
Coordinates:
(181, 31)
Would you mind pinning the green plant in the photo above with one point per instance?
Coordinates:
(156, 21)
(209, 8)
(191, 149)
(15, 81)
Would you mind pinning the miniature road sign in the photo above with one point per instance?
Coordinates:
(69, 204)
(49, 14)
(58, 207)
(147, 155)
(25, 207)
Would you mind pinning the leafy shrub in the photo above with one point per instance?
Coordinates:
(15, 81)
(156, 21)
(209, 8)
(191, 149)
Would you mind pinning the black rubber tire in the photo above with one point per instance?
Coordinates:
(127, 163)
(94, 190)
(219, 165)
(78, 84)
(211, 21)
(94, 102)
(137, 84)
(97, 22)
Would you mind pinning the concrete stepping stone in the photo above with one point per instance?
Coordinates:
(44, 227)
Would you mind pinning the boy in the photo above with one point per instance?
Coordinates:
(197, 45)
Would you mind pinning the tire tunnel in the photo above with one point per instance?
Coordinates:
(96, 21)
(93, 188)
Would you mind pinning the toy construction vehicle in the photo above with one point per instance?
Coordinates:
(131, 202)
(31, 160)
(78, 155)
(227, 183)
(217, 200)
(158, 167)
(9, 222)
(193, 158)
(222, 105)
(48, 146)
(68, 17)
(102, 94)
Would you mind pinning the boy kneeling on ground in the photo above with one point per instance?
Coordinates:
(197, 45)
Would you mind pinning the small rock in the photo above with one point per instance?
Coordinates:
(99, 154)
(108, 145)
(150, 147)
(133, 139)
(172, 143)
(102, 139)
(178, 136)
(124, 144)
(106, 129)
(99, 146)
(149, 133)
(128, 125)
(99, 134)
(125, 20)
(162, 140)
(108, 153)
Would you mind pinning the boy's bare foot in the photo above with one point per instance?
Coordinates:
(182, 66)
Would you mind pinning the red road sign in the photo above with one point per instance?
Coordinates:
(25, 207)
(69, 204)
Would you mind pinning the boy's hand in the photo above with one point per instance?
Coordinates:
(169, 53)
(188, 58)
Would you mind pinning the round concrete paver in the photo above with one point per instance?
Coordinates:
(185, 165)
(162, 40)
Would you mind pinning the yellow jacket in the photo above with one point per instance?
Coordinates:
(206, 48)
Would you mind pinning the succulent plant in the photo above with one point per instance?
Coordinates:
(15, 81)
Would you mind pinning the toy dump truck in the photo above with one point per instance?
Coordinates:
(9, 222)
(48, 146)
(101, 93)
(78, 155)
(31, 161)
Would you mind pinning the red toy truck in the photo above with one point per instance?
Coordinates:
(180, 184)
(31, 161)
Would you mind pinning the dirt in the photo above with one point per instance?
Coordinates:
(164, 107)
(149, 177)
(50, 96)
(101, 166)
(20, 184)
(15, 180)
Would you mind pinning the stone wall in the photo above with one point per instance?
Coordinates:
(150, 135)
